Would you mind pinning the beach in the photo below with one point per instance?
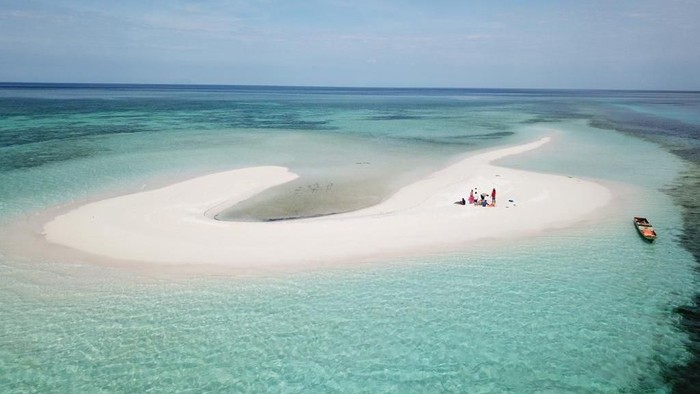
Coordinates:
(176, 224)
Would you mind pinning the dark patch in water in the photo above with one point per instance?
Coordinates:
(35, 155)
(538, 119)
(303, 199)
(691, 154)
(686, 379)
(683, 140)
(440, 140)
(395, 117)
(23, 136)
(285, 122)
(492, 136)
(280, 219)
(66, 119)
(646, 125)
(467, 140)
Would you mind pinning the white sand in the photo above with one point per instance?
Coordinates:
(175, 225)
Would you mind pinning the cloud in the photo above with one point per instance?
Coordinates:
(346, 36)
(189, 24)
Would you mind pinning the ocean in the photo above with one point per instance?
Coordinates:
(590, 309)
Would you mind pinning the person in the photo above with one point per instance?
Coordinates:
(493, 197)
(483, 202)
(471, 197)
(462, 202)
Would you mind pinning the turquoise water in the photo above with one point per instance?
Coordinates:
(586, 309)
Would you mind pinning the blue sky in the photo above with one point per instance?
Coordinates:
(642, 44)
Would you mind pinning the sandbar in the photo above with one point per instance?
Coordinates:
(175, 224)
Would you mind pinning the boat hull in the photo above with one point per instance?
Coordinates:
(645, 229)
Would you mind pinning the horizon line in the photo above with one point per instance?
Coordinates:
(9, 83)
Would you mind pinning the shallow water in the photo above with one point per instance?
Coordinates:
(586, 309)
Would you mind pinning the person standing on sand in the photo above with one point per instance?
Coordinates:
(493, 197)
(471, 197)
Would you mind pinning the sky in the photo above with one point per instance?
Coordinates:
(576, 44)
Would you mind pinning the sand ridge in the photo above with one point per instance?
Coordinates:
(175, 224)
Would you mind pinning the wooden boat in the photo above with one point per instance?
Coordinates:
(645, 229)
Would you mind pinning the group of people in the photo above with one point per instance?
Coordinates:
(481, 199)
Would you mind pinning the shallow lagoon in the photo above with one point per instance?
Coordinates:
(586, 309)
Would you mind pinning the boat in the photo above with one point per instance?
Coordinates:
(645, 229)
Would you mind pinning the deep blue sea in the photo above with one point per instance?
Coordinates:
(587, 309)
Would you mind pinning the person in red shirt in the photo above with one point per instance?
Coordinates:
(493, 197)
